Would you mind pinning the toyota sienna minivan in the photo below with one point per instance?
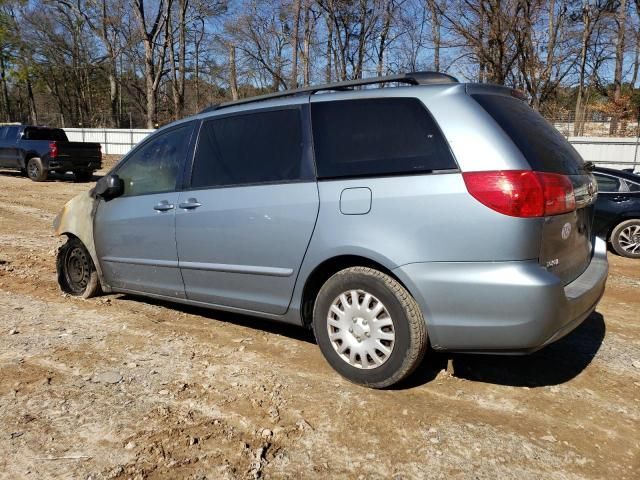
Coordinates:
(386, 219)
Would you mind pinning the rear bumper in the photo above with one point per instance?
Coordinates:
(75, 164)
(506, 307)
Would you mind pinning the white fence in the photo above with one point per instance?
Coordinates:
(114, 141)
(623, 152)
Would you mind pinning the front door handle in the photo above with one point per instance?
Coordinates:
(164, 206)
(190, 204)
(620, 198)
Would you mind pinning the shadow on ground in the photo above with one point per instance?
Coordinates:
(556, 363)
(294, 332)
(53, 177)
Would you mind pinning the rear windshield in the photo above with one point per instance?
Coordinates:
(54, 134)
(542, 145)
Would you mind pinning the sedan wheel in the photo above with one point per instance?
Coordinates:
(625, 239)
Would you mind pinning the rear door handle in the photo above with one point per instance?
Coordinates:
(164, 206)
(190, 204)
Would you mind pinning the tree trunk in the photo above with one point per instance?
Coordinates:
(435, 33)
(578, 122)
(233, 76)
(306, 48)
(293, 83)
(384, 35)
(329, 52)
(5, 89)
(621, 22)
(33, 114)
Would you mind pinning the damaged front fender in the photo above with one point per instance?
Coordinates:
(76, 219)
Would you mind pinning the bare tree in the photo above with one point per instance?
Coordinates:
(155, 48)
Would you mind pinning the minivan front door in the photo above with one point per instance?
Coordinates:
(244, 226)
(135, 233)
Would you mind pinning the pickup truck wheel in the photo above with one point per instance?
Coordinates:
(82, 176)
(35, 170)
(77, 274)
(625, 238)
(369, 327)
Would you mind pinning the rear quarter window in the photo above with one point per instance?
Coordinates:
(376, 137)
(544, 148)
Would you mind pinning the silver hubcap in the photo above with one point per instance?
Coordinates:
(360, 329)
(629, 239)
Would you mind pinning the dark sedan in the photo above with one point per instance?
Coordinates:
(617, 212)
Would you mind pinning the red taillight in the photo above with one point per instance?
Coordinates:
(522, 193)
(53, 149)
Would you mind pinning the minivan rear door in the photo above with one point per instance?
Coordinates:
(244, 222)
(566, 241)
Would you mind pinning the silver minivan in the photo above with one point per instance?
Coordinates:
(386, 219)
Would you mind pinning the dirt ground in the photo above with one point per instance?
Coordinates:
(121, 387)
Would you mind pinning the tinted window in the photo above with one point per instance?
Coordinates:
(56, 134)
(259, 147)
(153, 168)
(542, 145)
(3, 131)
(607, 183)
(381, 136)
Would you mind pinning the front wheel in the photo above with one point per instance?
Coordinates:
(625, 238)
(368, 327)
(77, 274)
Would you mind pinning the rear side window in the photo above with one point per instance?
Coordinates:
(607, 183)
(260, 147)
(542, 145)
(54, 134)
(379, 136)
(633, 187)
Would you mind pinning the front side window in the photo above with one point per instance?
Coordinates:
(607, 183)
(154, 167)
(377, 136)
(253, 148)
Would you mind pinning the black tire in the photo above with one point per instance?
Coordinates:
(35, 170)
(623, 237)
(408, 326)
(77, 274)
(23, 172)
(83, 176)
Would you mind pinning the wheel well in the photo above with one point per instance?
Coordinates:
(326, 270)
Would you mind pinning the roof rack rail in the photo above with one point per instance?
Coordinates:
(412, 78)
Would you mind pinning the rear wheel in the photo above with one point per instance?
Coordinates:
(625, 238)
(368, 327)
(35, 170)
(77, 274)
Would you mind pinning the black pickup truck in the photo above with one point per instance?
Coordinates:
(36, 151)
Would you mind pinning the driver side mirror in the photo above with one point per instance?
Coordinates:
(109, 187)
